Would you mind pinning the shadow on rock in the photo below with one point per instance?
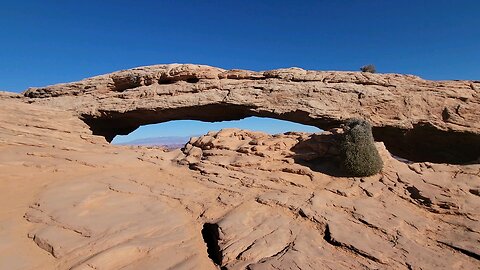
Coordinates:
(320, 153)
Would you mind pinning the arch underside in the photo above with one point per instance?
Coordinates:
(421, 143)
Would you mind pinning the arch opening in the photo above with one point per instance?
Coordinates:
(175, 133)
(422, 143)
(113, 123)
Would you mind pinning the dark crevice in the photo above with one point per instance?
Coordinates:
(328, 237)
(171, 80)
(474, 191)
(302, 214)
(415, 194)
(469, 253)
(211, 237)
(165, 81)
(192, 80)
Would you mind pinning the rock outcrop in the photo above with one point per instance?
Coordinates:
(231, 199)
(417, 119)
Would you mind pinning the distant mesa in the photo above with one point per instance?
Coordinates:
(169, 142)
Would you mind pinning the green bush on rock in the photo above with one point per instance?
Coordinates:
(358, 152)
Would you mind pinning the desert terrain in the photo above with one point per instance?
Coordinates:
(238, 199)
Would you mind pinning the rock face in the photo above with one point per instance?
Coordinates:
(416, 119)
(232, 199)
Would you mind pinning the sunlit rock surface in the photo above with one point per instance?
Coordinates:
(234, 199)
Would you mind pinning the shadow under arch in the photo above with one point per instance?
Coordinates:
(419, 144)
(320, 153)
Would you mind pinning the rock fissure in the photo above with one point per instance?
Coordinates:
(328, 237)
(468, 253)
(211, 237)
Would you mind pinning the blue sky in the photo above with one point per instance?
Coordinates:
(47, 42)
(195, 128)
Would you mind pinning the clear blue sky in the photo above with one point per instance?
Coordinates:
(47, 42)
(195, 128)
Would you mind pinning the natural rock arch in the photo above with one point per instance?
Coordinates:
(417, 119)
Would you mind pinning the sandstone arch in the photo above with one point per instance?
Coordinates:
(417, 119)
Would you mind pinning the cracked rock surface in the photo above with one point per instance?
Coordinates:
(70, 200)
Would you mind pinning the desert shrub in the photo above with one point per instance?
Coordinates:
(359, 155)
(368, 68)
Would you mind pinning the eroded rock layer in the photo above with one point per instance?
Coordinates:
(417, 119)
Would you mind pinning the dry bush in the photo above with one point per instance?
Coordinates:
(368, 68)
(358, 152)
